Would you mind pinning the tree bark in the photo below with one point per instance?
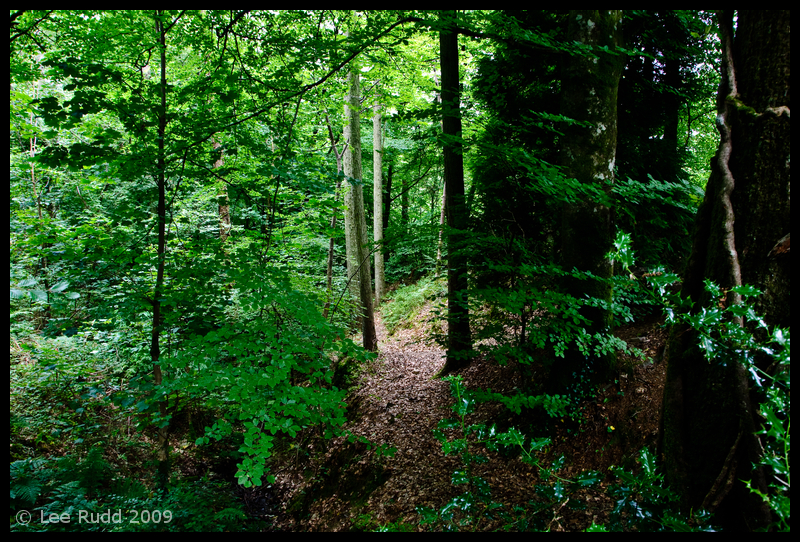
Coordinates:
(377, 196)
(709, 421)
(355, 224)
(459, 340)
(589, 93)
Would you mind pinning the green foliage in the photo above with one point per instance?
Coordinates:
(661, 212)
(643, 502)
(471, 509)
(412, 252)
(528, 312)
(241, 337)
(86, 494)
(736, 334)
(271, 372)
(402, 304)
(58, 396)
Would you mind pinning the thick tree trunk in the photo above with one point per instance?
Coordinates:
(459, 340)
(377, 196)
(589, 94)
(708, 424)
(355, 223)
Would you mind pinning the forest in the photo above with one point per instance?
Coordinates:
(319, 270)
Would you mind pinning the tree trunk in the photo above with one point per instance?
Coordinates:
(589, 94)
(355, 224)
(387, 196)
(155, 350)
(708, 423)
(459, 340)
(377, 196)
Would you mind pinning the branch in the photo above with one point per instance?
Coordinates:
(305, 88)
(26, 31)
(414, 183)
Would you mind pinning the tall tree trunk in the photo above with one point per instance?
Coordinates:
(355, 224)
(377, 196)
(708, 424)
(155, 350)
(589, 94)
(459, 340)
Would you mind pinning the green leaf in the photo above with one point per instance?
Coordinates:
(38, 295)
(60, 286)
(745, 290)
(17, 294)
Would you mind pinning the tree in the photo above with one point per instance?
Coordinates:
(666, 97)
(589, 95)
(741, 237)
(459, 340)
(161, 218)
(377, 195)
(358, 269)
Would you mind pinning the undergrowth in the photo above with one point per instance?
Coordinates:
(642, 500)
(403, 304)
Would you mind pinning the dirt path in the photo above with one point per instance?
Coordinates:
(398, 403)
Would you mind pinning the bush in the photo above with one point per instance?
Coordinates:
(84, 492)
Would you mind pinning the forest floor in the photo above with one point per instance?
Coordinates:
(398, 402)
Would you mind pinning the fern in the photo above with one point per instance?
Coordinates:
(26, 485)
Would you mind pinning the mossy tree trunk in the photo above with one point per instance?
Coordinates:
(589, 94)
(741, 237)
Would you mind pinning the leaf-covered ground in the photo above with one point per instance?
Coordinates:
(398, 402)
